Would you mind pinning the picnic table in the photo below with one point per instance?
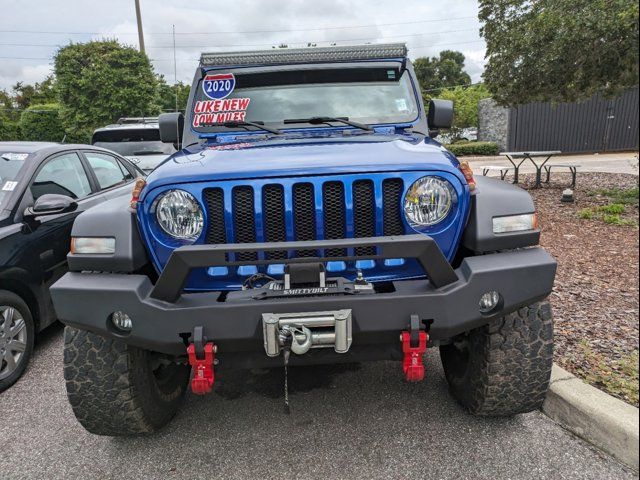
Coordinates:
(532, 156)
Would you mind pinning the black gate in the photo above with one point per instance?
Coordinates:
(596, 125)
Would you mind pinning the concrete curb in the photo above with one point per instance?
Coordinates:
(602, 420)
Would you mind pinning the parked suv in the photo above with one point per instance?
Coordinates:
(137, 138)
(308, 219)
(43, 187)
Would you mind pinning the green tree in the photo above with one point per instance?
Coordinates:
(559, 50)
(167, 95)
(42, 122)
(9, 117)
(445, 70)
(465, 104)
(98, 82)
(43, 92)
(8, 130)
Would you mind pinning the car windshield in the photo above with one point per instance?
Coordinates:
(366, 95)
(10, 166)
(133, 142)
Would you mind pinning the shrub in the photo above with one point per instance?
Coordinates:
(100, 81)
(42, 123)
(615, 219)
(474, 148)
(586, 214)
(613, 209)
(9, 130)
(623, 196)
(465, 103)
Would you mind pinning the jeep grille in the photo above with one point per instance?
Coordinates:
(278, 213)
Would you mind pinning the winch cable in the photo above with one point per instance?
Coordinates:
(286, 337)
(249, 282)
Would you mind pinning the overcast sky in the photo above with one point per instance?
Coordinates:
(31, 31)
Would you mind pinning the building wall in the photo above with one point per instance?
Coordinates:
(493, 123)
(596, 125)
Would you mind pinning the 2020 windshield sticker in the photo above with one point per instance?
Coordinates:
(219, 109)
(218, 86)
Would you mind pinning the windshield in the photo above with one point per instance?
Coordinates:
(10, 166)
(366, 95)
(133, 142)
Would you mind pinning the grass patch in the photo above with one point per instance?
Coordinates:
(627, 196)
(586, 214)
(615, 219)
(612, 209)
(618, 377)
(611, 213)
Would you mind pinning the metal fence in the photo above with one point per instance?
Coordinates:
(596, 125)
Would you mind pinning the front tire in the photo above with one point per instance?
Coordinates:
(17, 333)
(115, 389)
(503, 368)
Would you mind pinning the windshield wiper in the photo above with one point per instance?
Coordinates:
(319, 120)
(260, 125)
(149, 152)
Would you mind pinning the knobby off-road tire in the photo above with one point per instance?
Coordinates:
(503, 368)
(17, 334)
(115, 389)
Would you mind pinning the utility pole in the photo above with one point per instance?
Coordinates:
(175, 66)
(139, 20)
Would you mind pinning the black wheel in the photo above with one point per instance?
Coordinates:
(17, 333)
(115, 389)
(503, 368)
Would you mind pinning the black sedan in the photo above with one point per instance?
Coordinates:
(43, 187)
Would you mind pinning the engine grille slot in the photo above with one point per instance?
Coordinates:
(334, 215)
(364, 214)
(392, 206)
(304, 216)
(275, 229)
(244, 225)
(216, 228)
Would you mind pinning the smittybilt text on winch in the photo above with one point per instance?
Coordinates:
(308, 217)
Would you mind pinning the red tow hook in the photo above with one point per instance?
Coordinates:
(203, 378)
(413, 364)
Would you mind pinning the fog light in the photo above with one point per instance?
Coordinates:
(489, 301)
(121, 321)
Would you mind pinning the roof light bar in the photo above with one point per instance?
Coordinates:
(305, 55)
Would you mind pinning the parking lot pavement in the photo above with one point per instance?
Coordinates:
(357, 421)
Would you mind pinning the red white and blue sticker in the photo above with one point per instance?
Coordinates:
(211, 112)
(218, 86)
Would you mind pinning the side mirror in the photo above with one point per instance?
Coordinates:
(440, 113)
(51, 204)
(171, 126)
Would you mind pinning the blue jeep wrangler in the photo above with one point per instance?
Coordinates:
(307, 218)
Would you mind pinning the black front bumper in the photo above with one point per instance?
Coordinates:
(163, 317)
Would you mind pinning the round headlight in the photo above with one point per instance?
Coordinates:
(428, 201)
(179, 214)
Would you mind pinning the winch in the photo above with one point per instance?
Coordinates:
(307, 330)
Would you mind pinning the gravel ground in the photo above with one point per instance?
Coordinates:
(358, 421)
(595, 298)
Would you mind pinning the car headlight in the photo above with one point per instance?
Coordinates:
(179, 214)
(428, 201)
